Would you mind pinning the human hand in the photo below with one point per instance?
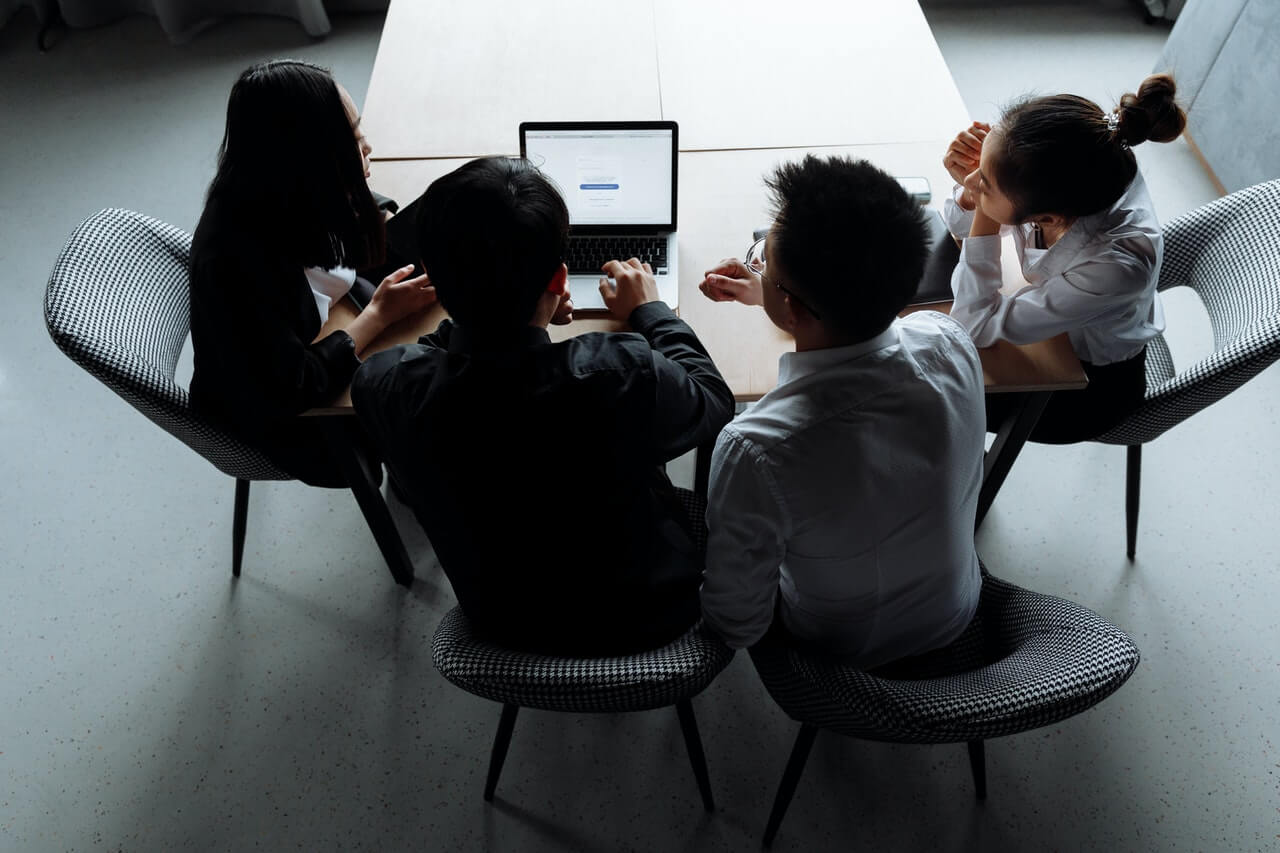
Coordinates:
(963, 156)
(732, 281)
(983, 225)
(633, 285)
(564, 311)
(399, 296)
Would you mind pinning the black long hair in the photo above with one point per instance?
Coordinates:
(1062, 154)
(289, 163)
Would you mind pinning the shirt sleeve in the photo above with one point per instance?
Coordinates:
(959, 221)
(440, 337)
(747, 526)
(257, 349)
(692, 401)
(1104, 285)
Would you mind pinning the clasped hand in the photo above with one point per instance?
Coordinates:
(733, 281)
(964, 155)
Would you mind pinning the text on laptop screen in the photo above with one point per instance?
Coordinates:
(607, 177)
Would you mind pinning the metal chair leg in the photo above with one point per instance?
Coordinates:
(978, 764)
(238, 521)
(1132, 486)
(693, 743)
(500, 743)
(791, 776)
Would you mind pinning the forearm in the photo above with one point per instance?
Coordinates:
(976, 285)
(366, 326)
(693, 401)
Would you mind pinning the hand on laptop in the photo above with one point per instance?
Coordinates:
(732, 281)
(633, 285)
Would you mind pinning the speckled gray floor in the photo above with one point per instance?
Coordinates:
(149, 703)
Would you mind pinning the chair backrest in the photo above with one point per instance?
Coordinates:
(118, 304)
(1228, 252)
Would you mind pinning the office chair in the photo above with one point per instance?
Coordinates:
(1228, 252)
(118, 304)
(1025, 661)
(671, 675)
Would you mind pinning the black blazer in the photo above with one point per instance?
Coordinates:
(253, 320)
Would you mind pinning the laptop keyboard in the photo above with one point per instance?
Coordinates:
(588, 254)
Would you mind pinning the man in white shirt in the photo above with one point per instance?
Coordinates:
(844, 499)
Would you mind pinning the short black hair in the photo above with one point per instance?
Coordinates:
(492, 232)
(289, 164)
(851, 241)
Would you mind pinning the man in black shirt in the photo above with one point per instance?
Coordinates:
(536, 467)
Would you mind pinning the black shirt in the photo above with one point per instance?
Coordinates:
(253, 320)
(535, 469)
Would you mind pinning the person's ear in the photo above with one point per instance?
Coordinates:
(791, 311)
(559, 281)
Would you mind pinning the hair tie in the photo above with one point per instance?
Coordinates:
(1113, 120)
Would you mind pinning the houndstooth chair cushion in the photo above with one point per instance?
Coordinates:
(1025, 661)
(1228, 252)
(118, 304)
(638, 682)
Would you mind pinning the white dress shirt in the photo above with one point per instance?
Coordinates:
(1097, 283)
(328, 286)
(851, 489)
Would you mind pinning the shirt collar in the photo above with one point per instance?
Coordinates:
(1086, 229)
(797, 365)
(470, 340)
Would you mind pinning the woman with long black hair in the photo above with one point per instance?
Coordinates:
(287, 222)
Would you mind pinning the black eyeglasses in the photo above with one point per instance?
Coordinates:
(754, 259)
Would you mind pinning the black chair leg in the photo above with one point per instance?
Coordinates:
(978, 764)
(790, 777)
(238, 522)
(1132, 485)
(500, 743)
(693, 743)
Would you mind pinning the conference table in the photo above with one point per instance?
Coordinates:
(751, 83)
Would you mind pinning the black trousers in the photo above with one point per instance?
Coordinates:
(1114, 391)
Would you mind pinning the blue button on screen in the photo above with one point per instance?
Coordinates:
(597, 186)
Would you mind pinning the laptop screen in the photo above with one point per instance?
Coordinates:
(608, 174)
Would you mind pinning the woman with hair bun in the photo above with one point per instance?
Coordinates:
(1059, 173)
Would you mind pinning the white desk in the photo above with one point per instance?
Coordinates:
(455, 79)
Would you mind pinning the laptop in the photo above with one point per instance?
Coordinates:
(618, 180)
(944, 254)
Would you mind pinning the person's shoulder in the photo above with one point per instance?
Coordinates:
(222, 236)
(932, 328)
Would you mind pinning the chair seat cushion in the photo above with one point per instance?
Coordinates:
(1026, 660)
(638, 682)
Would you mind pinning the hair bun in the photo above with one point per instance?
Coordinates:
(1152, 114)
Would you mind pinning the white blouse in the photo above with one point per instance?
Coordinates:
(328, 286)
(1097, 283)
